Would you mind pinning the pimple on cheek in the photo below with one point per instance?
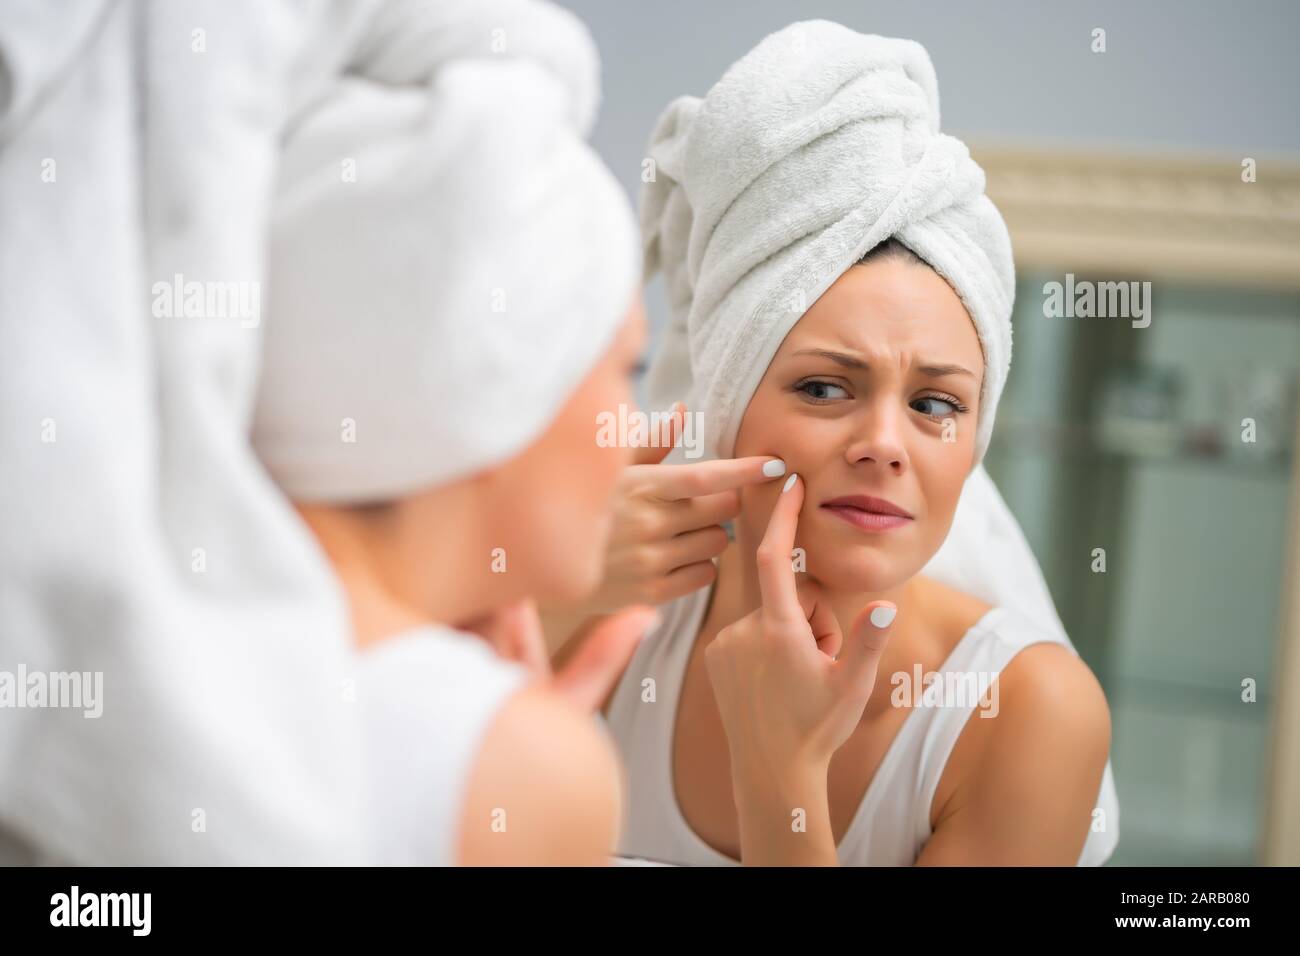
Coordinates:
(758, 501)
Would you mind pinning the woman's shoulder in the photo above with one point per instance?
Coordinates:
(442, 667)
(1046, 676)
(435, 642)
(950, 615)
(953, 615)
(1052, 729)
(1036, 663)
(1046, 690)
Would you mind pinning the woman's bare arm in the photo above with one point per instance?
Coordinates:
(546, 788)
(1035, 769)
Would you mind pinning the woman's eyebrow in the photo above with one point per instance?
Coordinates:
(852, 361)
(938, 371)
(840, 358)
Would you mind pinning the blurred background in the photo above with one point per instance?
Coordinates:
(1173, 157)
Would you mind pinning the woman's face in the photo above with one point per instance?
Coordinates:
(873, 394)
(553, 503)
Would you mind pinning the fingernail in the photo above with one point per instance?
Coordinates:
(774, 468)
(651, 623)
(789, 482)
(883, 616)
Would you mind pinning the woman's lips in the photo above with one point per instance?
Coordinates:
(867, 513)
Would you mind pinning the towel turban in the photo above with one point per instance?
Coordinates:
(813, 148)
(448, 259)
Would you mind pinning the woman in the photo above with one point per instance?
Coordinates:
(842, 293)
(454, 299)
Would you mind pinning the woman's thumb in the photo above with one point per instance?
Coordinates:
(866, 644)
(515, 631)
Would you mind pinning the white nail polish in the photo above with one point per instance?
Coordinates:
(774, 468)
(883, 616)
(789, 482)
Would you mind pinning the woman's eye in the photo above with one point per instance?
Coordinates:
(821, 391)
(934, 407)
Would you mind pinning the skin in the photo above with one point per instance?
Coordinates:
(1018, 788)
(667, 531)
(543, 760)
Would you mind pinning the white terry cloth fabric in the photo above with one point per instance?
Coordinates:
(813, 148)
(444, 302)
(142, 539)
(892, 824)
(427, 699)
(986, 554)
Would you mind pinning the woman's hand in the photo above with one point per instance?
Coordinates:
(666, 530)
(515, 631)
(790, 691)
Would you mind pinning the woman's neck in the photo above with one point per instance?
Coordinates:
(376, 613)
(385, 595)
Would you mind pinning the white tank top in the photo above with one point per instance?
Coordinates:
(427, 699)
(891, 825)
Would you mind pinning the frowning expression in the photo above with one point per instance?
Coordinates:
(872, 398)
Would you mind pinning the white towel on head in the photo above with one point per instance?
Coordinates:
(814, 147)
(448, 260)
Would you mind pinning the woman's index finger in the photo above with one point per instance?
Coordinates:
(675, 482)
(775, 571)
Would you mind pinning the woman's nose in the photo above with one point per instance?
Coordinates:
(878, 439)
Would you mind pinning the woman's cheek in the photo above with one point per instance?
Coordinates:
(942, 476)
(756, 505)
(568, 533)
(594, 469)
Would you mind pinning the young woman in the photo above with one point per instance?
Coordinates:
(816, 703)
(454, 301)
(755, 729)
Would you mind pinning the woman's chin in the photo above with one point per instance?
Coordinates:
(860, 569)
(846, 558)
(578, 582)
